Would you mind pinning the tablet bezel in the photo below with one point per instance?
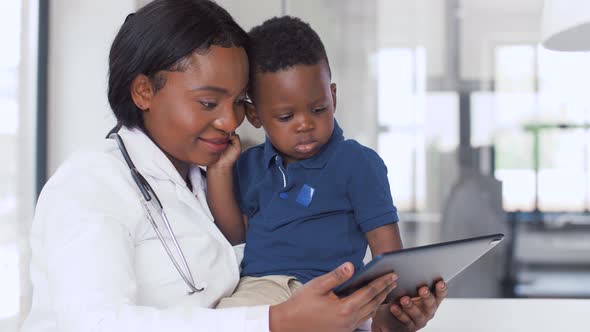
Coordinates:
(421, 266)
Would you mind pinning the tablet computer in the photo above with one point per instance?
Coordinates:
(420, 266)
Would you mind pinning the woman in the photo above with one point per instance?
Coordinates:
(104, 258)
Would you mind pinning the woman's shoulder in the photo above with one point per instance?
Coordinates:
(89, 174)
(89, 187)
(99, 162)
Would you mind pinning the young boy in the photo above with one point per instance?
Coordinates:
(308, 200)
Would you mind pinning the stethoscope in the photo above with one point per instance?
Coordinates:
(150, 202)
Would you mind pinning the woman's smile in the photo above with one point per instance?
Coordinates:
(215, 145)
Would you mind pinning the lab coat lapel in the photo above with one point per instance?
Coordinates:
(147, 156)
(152, 162)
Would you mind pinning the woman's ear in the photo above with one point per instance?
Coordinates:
(252, 115)
(333, 90)
(142, 92)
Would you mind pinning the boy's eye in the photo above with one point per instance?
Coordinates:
(285, 118)
(208, 104)
(320, 110)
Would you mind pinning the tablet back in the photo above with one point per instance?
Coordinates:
(420, 266)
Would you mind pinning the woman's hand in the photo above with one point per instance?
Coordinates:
(410, 314)
(229, 155)
(314, 307)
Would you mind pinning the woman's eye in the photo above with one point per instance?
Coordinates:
(208, 104)
(320, 110)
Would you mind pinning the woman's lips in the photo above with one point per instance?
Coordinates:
(216, 145)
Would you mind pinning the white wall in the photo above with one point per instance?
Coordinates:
(408, 24)
(81, 33)
(249, 14)
(485, 26)
(26, 143)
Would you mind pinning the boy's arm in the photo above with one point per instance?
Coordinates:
(221, 196)
(384, 239)
(223, 205)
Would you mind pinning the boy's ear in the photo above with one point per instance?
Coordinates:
(333, 90)
(252, 115)
(142, 92)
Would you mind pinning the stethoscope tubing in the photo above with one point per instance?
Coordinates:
(148, 193)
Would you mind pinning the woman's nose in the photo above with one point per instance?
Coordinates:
(230, 119)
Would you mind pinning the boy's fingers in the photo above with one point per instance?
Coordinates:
(414, 312)
(428, 302)
(441, 291)
(402, 317)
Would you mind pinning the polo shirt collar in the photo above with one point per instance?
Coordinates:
(317, 161)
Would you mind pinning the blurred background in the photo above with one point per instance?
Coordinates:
(482, 129)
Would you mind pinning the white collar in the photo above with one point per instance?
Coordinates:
(150, 160)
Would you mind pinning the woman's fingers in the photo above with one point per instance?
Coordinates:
(366, 300)
(369, 309)
(324, 284)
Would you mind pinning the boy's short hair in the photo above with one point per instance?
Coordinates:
(283, 42)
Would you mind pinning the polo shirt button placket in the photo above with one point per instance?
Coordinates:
(282, 195)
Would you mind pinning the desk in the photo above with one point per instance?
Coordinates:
(511, 315)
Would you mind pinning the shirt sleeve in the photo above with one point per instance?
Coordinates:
(242, 176)
(89, 257)
(369, 192)
(238, 188)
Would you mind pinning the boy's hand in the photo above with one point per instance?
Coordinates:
(230, 155)
(412, 314)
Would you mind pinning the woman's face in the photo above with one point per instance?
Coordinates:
(192, 115)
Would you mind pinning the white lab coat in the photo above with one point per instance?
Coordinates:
(98, 265)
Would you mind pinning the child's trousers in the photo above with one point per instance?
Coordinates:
(252, 291)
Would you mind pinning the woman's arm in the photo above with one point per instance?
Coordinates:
(221, 197)
(84, 260)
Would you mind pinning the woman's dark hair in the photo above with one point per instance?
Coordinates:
(161, 36)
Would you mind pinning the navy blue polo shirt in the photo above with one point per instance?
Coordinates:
(310, 217)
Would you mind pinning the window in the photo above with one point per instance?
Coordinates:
(415, 127)
(541, 124)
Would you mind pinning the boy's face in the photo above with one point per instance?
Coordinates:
(296, 108)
